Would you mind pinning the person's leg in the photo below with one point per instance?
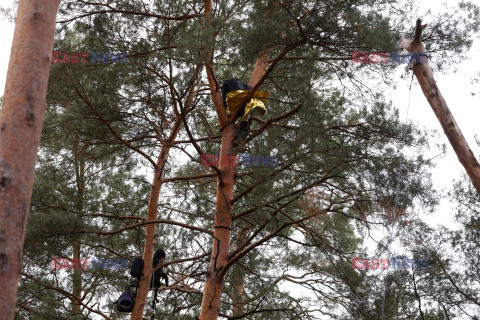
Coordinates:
(242, 132)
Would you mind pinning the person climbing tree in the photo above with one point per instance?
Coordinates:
(127, 300)
(158, 259)
(235, 94)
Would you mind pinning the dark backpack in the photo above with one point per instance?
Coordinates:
(126, 301)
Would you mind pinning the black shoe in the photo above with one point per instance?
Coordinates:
(242, 133)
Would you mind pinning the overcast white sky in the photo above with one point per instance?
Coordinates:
(456, 88)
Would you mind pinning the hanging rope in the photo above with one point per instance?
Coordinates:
(397, 191)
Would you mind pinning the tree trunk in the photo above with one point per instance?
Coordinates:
(424, 75)
(222, 230)
(223, 215)
(238, 281)
(157, 183)
(257, 74)
(77, 278)
(21, 122)
(77, 271)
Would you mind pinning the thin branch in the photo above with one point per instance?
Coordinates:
(184, 225)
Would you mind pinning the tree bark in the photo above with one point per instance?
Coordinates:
(225, 182)
(424, 75)
(142, 292)
(259, 70)
(76, 247)
(77, 279)
(222, 230)
(21, 122)
(239, 279)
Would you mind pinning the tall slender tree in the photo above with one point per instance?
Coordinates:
(21, 120)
